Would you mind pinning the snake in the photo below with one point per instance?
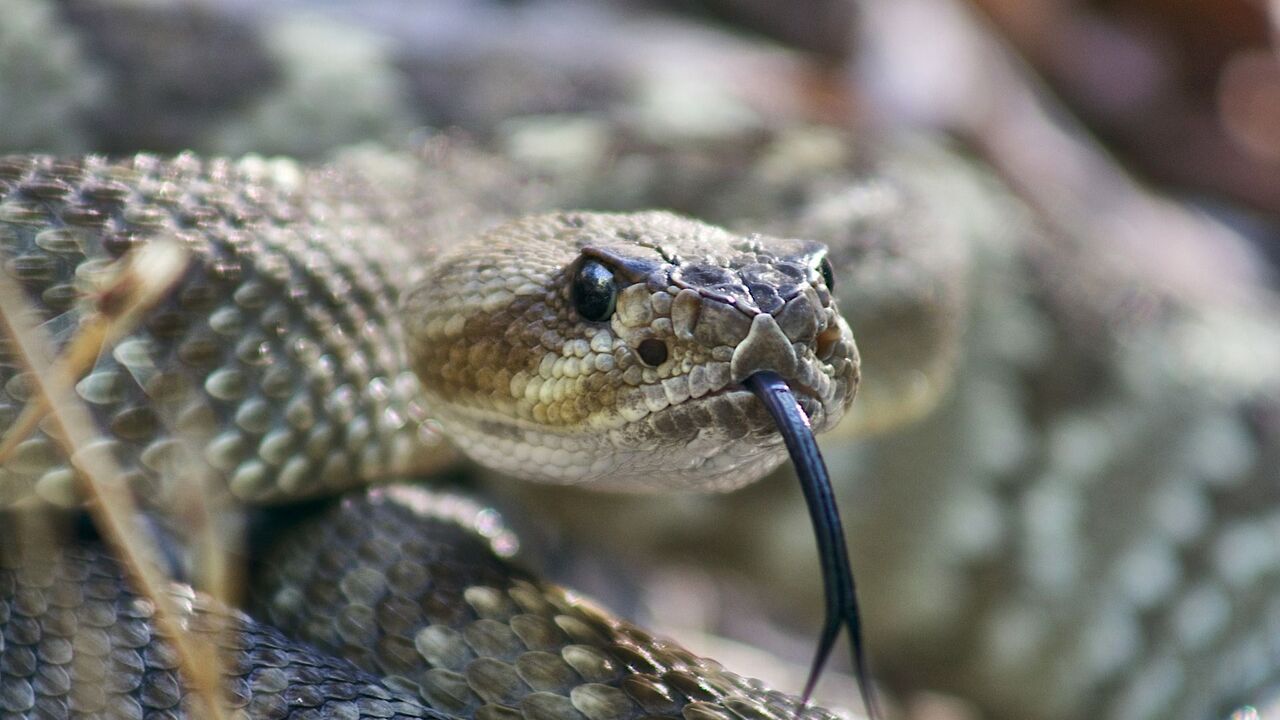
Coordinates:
(1080, 527)
(326, 325)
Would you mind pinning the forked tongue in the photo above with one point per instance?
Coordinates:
(837, 576)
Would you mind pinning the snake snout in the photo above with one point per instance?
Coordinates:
(766, 347)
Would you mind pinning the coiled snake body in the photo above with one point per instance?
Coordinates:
(323, 324)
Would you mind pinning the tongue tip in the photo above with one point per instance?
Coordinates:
(826, 644)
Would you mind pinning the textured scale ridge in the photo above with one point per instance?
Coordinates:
(418, 619)
(280, 361)
(422, 598)
(77, 643)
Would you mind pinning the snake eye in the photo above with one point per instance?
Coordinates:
(828, 274)
(594, 292)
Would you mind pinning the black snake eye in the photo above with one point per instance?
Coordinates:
(594, 292)
(828, 274)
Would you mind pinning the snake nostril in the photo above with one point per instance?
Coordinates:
(652, 352)
(826, 342)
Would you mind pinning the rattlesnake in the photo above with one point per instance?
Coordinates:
(1107, 422)
(285, 363)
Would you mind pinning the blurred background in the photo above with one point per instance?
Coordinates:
(1062, 479)
(1185, 92)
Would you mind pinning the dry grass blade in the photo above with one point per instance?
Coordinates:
(145, 278)
(63, 374)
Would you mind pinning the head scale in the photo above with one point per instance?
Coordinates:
(610, 349)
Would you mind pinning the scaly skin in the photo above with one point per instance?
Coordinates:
(961, 524)
(78, 642)
(525, 386)
(281, 367)
(285, 353)
(405, 585)
(424, 598)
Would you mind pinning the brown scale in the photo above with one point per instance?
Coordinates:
(76, 642)
(219, 343)
(423, 599)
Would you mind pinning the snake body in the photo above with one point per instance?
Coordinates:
(286, 364)
(396, 606)
(1083, 526)
(80, 643)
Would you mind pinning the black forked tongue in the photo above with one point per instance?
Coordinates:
(837, 576)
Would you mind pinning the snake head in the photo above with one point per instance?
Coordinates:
(611, 349)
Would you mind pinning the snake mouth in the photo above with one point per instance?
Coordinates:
(728, 422)
(820, 388)
(809, 398)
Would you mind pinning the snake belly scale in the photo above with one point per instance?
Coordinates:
(325, 323)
